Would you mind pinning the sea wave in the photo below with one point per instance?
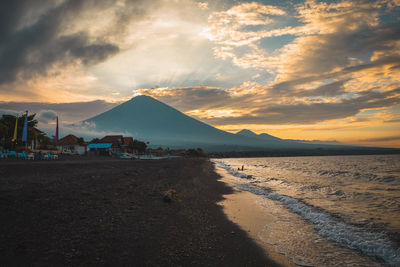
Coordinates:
(232, 171)
(375, 245)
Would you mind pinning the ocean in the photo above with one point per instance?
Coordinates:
(328, 211)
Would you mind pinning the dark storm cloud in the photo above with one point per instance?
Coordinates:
(314, 112)
(337, 49)
(268, 111)
(382, 139)
(292, 114)
(49, 114)
(334, 51)
(29, 50)
(288, 87)
(46, 116)
(331, 89)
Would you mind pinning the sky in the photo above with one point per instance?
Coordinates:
(308, 70)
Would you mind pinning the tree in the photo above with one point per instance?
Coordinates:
(45, 142)
(138, 146)
(94, 141)
(7, 125)
(81, 141)
(195, 153)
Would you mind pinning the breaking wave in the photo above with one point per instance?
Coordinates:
(375, 245)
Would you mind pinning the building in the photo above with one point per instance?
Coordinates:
(119, 143)
(100, 149)
(115, 140)
(126, 146)
(71, 144)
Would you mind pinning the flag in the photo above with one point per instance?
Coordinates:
(56, 138)
(15, 130)
(25, 131)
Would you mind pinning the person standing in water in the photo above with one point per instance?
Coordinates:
(242, 167)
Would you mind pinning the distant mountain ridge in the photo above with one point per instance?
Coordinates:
(265, 136)
(262, 136)
(151, 120)
(148, 119)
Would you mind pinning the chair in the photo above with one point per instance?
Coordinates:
(30, 156)
(38, 156)
(124, 156)
(22, 155)
(13, 154)
(4, 154)
(118, 154)
(54, 156)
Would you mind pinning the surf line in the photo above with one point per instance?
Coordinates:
(375, 245)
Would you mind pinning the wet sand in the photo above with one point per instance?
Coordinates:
(243, 208)
(111, 212)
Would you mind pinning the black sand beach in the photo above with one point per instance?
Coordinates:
(91, 212)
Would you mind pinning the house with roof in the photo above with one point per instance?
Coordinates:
(126, 144)
(100, 149)
(115, 140)
(119, 143)
(71, 144)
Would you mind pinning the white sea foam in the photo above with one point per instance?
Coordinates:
(232, 171)
(372, 244)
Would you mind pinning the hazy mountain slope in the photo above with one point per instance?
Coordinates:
(263, 136)
(268, 137)
(148, 119)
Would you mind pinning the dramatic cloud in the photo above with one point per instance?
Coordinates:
(229, 27)
(46, 116)
(56, 41)
(30, 50)
(382, 139)
(188, 98)
(67, 112)
(270, 111)
(263, 64)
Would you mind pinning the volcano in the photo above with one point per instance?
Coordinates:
(148, 119)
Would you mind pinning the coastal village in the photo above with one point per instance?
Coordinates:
(20, 138)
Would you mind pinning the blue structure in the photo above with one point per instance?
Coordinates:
(101, 145)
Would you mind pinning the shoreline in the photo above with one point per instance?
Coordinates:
(295, 232)
(111, 212)
(243, 209)
(288, 154)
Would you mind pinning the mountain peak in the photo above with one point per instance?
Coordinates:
(263, 136)
(145, 100)
(246, 133)
(146, 118)
(142, 97)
